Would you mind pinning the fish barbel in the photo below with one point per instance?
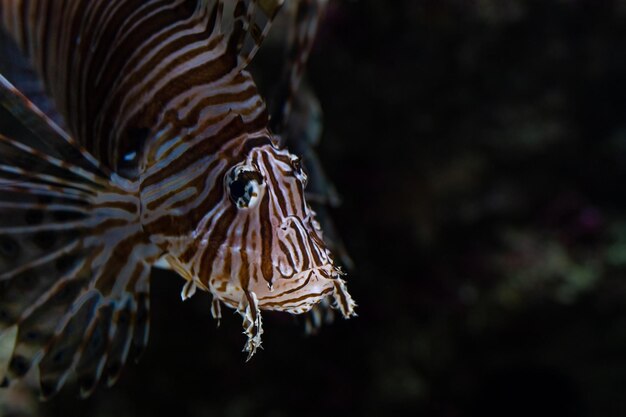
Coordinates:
(159, 153)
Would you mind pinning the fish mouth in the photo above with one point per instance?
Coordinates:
(301, 285)
(306, 289)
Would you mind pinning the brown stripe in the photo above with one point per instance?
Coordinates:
(306, 262)
(244, 272)
(197, 181)
(235, 99)
(275, 188)
(205, 147)
(292, 290)
(267, 235)
(217, 238)
(287, 253)
(342, 296)
(180, 83)
(118, 258)
(295, 300)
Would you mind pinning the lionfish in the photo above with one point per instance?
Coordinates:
(158, 151)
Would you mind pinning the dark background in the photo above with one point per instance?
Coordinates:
(480, 150)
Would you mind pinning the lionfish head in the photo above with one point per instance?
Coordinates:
(269, 243)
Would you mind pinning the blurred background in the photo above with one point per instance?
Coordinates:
(479, 147)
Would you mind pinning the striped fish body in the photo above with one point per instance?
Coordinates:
(164, 155)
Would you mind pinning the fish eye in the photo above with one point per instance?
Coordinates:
(244, 184)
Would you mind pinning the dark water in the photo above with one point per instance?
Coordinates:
(480, 150)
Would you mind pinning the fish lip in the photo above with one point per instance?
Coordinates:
(318, 282)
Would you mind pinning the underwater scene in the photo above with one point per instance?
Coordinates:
(407, 208)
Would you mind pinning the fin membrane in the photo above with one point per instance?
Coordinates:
(74, 264)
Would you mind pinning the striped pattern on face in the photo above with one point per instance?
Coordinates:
(272, 246)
